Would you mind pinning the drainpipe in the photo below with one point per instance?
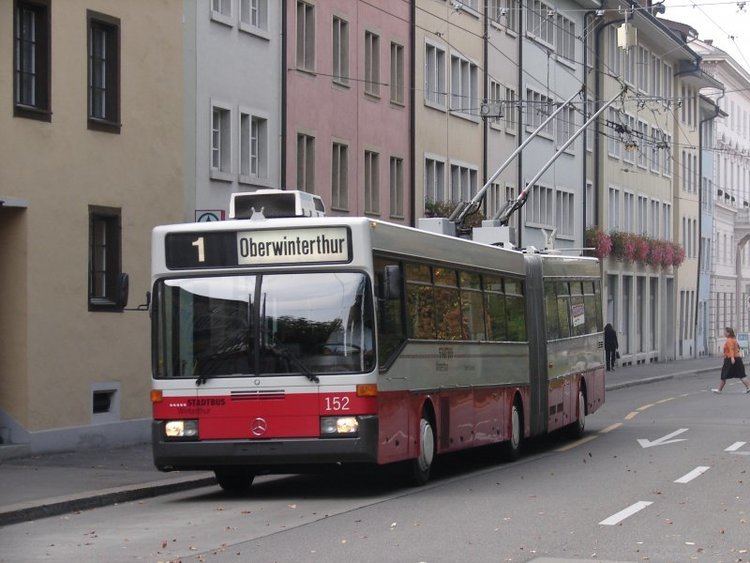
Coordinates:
(586, 17)
(520, 92)
(412, 116)
(284, 10)
(486, 95)
(700, 219)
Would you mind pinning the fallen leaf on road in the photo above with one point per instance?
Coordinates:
(164, 544)
(292, 506)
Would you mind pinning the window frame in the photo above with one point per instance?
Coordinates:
(260, 30)
(372, 78)
(111, 123)
(340, 25)
(371, 195)
(310, 11)
(114, 215)
(40, 112)
(262, 176)
(440, 99)
(396, 212)
(341, 147)
(221, 173)
(399, 51)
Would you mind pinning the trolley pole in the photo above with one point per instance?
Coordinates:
(464, 209)
(503, 217)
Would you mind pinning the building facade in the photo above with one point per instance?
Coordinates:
(347, 105)
(89, 165)
(709, 112)
(731, 195)
(553, 71)
(232, 110)
(448, 141)
(637, 171)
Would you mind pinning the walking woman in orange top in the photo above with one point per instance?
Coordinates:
(733, 367)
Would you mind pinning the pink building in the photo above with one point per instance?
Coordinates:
(348, 105)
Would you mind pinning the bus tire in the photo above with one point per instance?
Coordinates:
(234, 480)
(578, 428)
(418, 471)
(510, 450)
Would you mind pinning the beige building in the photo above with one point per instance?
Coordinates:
(90, 161)
(648, 184)
(449, 150)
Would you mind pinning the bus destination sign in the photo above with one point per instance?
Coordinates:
(264, 247)
(327, 244)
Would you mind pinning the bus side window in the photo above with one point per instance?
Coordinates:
(578, 312)
(494, 301)
(472, 309)
(420, 301)
(447, 304)
(563, 308)
(550, 306)
(589, 301)
(516, 308)
(389, 310)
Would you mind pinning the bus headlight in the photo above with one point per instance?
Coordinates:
(333, 425)
(181, 429)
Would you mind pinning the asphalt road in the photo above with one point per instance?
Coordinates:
(604, 497)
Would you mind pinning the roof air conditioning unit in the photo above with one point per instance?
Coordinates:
(275, 204)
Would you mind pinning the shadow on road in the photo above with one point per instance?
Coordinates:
(367, 482)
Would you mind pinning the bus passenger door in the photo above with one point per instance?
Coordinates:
(535, 331)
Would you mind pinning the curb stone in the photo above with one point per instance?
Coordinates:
(655, 379)
(43, 508)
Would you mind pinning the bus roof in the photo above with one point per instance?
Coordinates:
(387, 238)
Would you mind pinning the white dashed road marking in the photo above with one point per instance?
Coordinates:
(625, 513)
(736, 446)
(697, 472)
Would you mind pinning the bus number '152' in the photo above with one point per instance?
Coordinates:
(337, 403)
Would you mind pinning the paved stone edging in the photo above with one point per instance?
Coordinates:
(657, 378)
(32, 510)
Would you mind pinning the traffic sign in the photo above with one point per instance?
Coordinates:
(209, 215)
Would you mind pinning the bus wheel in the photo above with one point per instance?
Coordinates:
(579, 426)
(511, 449)
(234, 480)
(419, 468)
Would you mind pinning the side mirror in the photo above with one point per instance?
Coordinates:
(122, 290)
(392, 282)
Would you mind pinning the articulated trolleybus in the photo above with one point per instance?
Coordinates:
(284, 340)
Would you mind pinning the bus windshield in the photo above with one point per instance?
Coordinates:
(278, 324)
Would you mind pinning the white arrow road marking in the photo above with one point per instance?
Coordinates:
(629, 511)
(664, 439)
(736, 446)
(697, 472)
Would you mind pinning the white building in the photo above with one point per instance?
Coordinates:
(730, 273)
(232, 110)
(551, 59)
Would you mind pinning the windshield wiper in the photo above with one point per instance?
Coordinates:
(281, 353)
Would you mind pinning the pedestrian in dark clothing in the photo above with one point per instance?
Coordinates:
(610, 346)
(733, 367)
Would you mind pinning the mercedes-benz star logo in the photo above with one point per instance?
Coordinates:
(259, 426)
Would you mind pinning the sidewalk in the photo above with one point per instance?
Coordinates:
(650, 373)
(47, 485)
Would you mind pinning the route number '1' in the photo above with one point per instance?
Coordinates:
(337, 403)
(198, 243)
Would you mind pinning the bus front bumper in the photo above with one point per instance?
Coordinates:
(267, 455)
